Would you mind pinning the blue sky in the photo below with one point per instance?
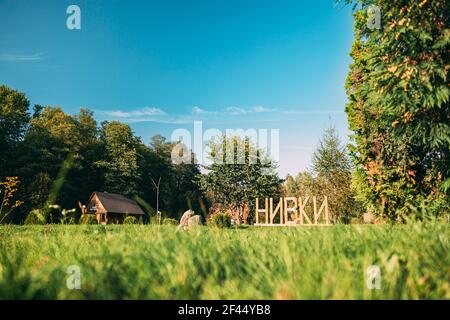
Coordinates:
(160, 65)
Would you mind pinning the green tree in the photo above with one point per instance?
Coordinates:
(57, 159)
(399, 106)
(120, 163)
(86, 176)
(332, 168)
(178, 190)
(238, 174)
(304, 184)
(61, 159)
(49, 140)
(330, 175)
(14, 118)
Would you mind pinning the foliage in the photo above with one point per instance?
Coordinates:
(8, 188)
(211, 263)
(131, 220)
(88, 219)
(330, 175)
(120, 164)
(13, 121)
(178, 190)
(36, 216)
(57, 158)
(62, 158)
(332, 167)
(169, 221)
(219, 220)
(239, 173)
(399, 106)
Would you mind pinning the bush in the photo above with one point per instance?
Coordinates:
(88, 219)
(36, 216)
(220, 220)
(131, 220)
(169, 221)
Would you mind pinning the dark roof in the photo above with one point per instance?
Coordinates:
(117, 203)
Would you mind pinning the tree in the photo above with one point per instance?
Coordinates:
(157, 186)
(89, 151)
(332, 168)
(238, 174)
(161, 167)
(330, 175)
(51, 138)
(62, 158)
(331, 159)
(120, 164)
(57, 159)
(14, 118)
(305, 184)
(178, 191)
(188, 194)
(399, 107)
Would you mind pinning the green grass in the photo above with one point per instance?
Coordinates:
(151, 262)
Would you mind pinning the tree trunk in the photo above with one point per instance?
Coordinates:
(239, 215)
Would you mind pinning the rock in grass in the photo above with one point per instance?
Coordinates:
(194, 221)
(189, 219)
(185, 217)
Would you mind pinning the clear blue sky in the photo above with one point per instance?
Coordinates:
(159, 65)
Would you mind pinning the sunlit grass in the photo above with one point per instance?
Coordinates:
(151, 262)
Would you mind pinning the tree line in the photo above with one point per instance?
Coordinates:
(51, 158)
(61, 159)
(397, 164)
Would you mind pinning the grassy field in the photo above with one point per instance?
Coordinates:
(151, 262)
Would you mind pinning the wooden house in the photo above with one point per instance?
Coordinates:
(111, 207)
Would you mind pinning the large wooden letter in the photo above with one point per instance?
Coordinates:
(302, 205)
(278, 208)
(292, 209)
(292, 214)
(323, 207)
(265, 210)
(327, 215)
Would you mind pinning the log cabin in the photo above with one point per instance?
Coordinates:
(111, 207)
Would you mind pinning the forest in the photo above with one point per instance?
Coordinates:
(67, 157)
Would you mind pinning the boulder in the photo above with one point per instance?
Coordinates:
(185, 217)
(194, 221)
(190, 219)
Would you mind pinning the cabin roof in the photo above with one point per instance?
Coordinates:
(116, 203)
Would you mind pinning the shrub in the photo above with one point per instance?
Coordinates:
(131, 220)
(88, 219)
(220, 220)
(169, 221)
(36, 216)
